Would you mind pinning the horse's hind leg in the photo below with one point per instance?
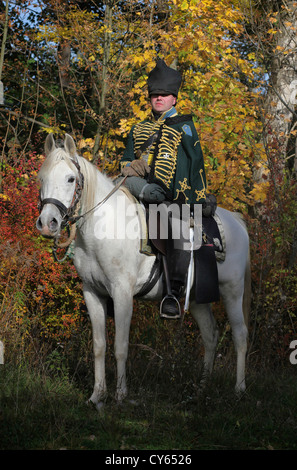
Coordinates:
(209, 332)
(239, 333)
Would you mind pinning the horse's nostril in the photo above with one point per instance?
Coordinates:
(53, 224)
(39, 224)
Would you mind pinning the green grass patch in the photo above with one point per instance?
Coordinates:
(43, 412)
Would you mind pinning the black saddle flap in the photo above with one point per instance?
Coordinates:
(206, 276)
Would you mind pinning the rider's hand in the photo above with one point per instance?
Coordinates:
(136, 168)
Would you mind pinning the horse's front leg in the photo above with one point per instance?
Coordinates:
(123, 308)
(96, 308)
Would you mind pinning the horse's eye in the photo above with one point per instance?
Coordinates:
(71, 179)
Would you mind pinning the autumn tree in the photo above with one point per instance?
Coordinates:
(86, 71)
(201, 38)
(270, 31)
(271, 28)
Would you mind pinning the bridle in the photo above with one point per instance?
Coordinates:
(70, 215)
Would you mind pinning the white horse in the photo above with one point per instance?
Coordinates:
(113, 266)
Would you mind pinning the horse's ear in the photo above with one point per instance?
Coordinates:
(49, 145)
(70, 146)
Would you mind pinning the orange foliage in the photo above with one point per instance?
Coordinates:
(36, 294)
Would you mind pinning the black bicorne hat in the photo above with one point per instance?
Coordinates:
(163, 79)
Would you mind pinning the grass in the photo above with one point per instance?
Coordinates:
(41, 411)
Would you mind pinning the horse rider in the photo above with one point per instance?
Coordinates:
(164, 163)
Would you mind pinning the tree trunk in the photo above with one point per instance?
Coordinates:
(104, 85)
(281, 98)
(64, 52)
(4, 37)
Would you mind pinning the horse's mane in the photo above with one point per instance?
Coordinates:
(89, 171)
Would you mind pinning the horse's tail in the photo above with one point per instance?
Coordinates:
(246, 303)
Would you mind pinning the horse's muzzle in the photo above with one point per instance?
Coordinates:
(49, 225)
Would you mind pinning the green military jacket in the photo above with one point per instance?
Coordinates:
(171, 147)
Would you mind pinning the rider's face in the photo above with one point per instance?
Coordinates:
(162, 102)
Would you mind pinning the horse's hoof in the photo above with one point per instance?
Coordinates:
(133, 402)
(240, 389)
(100, 406)
(96, 405)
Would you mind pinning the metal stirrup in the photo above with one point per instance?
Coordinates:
(165, 315)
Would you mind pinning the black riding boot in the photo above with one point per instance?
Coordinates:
(170, 307)
(177, 263)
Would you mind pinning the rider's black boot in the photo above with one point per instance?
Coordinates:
(170, 307)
